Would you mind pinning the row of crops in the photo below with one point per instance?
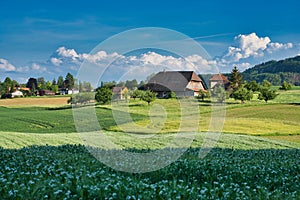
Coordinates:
(70, 172)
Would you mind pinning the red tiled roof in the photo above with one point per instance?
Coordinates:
(219, 77)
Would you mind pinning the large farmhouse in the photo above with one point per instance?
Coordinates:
(183, 83)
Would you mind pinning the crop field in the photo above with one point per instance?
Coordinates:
(42, 156)
(238, 167)
(35, 101)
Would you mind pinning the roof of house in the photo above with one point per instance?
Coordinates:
(118, 90)
(219, 77)
(172, 81)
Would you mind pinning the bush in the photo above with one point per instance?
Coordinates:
(148, 96)
(6, 96)
(243, 94)
(266, 94)
(103, 95)
(285, 86)
(219, 94)
(172, 95)
(81, 98)
(203, 94)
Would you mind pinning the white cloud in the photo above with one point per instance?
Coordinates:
(6, 66)
(243, 66)
(68, 53)
(23, 69)
(56, 61)
(251, 44)
(251, 49)
(37, 67)
(247, 46)
(275, 46)
(99, 57)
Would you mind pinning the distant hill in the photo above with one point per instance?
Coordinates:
(275, 71)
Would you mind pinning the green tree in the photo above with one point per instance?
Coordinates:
(265, 92)
(54, 88)
(131, 84)
(60, 82)
(266, 84)
(69, 81)
(253, 86)
(219, 94)
(48, 85)
(7, 85)
(136, 94)
(32, 84)
(54, 82)
(235, 79)
(41, 84)
(103, 95)
(242, 94)
(285, 86)
(149, 96)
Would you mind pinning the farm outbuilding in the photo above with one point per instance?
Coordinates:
(219, 79)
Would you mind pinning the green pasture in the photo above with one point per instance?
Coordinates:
(254, 118)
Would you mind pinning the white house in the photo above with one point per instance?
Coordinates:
(17, 93)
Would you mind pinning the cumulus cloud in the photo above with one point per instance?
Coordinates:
(275, 46)
(56, 61)
(251, 49)
(251, 44)
(6, 66)
(68, 53)
(37, 67)
(247, 45)
(121, 64)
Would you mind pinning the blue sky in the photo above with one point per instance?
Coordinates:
(50, 38)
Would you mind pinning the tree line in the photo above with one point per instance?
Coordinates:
(34, 85)
(276, 72)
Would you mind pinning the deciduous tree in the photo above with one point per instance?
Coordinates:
(242, 94)
(103, 95)
(148, 96)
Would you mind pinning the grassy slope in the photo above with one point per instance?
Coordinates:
(13, 140)
(254, 118)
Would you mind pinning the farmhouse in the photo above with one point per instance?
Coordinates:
(182, 83)
(119, 93)
(219, 79)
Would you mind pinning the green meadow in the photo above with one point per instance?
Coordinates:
(43, 157)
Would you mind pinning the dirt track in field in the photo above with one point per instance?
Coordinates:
(38, 101)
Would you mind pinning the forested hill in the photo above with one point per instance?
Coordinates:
(275, 71)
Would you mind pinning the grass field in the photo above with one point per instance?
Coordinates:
(254, 118)
(42, 156)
